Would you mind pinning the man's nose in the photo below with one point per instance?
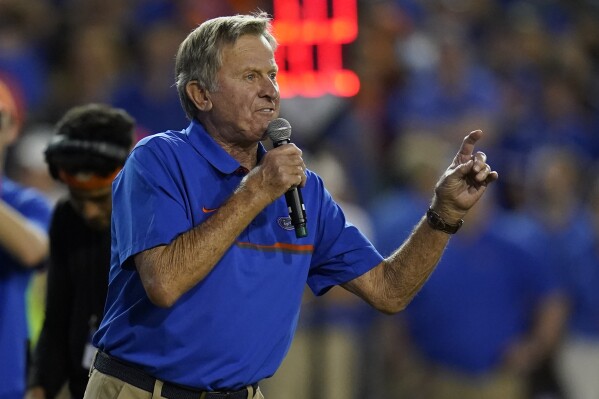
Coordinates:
(270, 88)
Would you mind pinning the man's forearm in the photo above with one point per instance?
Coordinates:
(410, 266)
(390, 286)
(21, 238)
(169, 271)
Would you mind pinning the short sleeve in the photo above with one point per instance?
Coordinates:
(342, 252)
(148, 205)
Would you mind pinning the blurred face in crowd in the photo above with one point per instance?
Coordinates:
(94, 205)
(8, 125)
(247, 94)
(4, 120)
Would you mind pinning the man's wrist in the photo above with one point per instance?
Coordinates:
(437, 222)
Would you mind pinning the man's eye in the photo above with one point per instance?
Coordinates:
(273, 76)
(250, 77)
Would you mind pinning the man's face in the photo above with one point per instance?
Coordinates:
(94, 205)
(247, 97)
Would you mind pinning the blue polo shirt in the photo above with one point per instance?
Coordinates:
(482, 296)
(574, 251)
(235, 326)
(14, 279)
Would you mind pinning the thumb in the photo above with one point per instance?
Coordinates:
(463, 169)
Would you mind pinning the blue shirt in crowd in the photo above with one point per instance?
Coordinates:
(14, 280)
(481, 298)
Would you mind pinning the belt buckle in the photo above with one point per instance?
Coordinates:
(225, 395)
(214, 395)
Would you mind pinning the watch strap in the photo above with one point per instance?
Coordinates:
(436, 222)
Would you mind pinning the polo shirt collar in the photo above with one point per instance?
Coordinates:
(206, 146)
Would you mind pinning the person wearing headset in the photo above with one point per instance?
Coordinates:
(88, 150)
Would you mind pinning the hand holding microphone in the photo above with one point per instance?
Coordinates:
(279, 131)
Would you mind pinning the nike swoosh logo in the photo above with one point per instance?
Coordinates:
(208, 210)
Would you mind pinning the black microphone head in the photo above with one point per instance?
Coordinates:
(279, 130)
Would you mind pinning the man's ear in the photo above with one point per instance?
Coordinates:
(199, 95)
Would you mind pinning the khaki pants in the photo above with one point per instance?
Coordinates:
(337, 377)
(102, 386)
(494, 386)
(578, 367)
(419, 379)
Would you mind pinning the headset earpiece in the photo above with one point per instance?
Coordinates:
(62, 150)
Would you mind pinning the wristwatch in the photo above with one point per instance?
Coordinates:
(436, 222)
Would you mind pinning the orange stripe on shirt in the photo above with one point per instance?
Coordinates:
(278, 247)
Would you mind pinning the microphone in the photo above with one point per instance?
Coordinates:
(279, 131)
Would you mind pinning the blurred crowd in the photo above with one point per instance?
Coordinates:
(513, 306)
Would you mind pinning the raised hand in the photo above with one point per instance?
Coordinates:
(464, 182)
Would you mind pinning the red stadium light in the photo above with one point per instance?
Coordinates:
(310, 35)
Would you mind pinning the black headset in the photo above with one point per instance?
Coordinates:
(63, 151)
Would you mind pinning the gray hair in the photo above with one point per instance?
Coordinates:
(200, 55)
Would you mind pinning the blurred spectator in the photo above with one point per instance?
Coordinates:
(24, 30)
(94, 66)
(578, 357)
(448, 90)
(24, 218)
(422, 154)
(26, 163)
(555, 180)
(545, 71)
(149, 94)
(478, 328)
(91, 144)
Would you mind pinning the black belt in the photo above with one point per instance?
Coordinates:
(133, 376)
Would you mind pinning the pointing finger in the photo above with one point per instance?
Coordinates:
(467, 148)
